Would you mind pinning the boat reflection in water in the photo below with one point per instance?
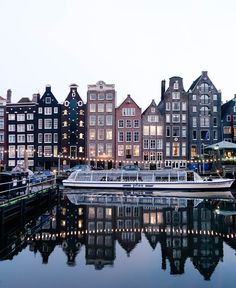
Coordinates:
(101, 226)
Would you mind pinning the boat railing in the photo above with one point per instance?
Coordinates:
(135, 176)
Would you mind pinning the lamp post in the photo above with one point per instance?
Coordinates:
(59, 163)
(203, 158)
(217, 148)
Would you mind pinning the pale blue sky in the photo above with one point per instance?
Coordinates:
(133, 44)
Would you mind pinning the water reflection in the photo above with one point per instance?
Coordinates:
(182, 228)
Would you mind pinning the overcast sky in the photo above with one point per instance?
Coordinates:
(133, 44)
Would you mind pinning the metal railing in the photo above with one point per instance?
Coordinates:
(20, 188)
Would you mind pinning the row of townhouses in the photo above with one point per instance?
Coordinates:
(102, 134)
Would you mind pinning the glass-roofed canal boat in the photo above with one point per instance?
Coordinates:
(153, 179)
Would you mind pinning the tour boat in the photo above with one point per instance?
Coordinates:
(152, 179)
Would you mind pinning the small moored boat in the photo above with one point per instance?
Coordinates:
(155, 180)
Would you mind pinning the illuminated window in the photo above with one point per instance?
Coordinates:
(92, 150)
(80, 223)
(193, 151)
(108, 212)
(108, 134)
(47, 151)
(100, 149)
(12, 151)
(92, 107)
(109, 149)
(159, 130)
(120, 150)
(175, 149)
(109, 107)
(145, 130)
(136, 150)
(153, 130)
(227, 130)
(80, 211)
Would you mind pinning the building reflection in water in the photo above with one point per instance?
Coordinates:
(185, 229)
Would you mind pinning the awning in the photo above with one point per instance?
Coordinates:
(222, 145)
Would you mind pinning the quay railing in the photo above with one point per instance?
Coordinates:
(13, 190)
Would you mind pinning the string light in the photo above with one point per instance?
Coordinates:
(64, 156)
(176, 231)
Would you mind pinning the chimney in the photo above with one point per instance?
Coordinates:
(163, 88)
(48, 88)
(73, 86)
(35, 97)
(9, 96)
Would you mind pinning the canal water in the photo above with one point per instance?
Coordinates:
(118, 242)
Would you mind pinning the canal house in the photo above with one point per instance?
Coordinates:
(73, 129)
